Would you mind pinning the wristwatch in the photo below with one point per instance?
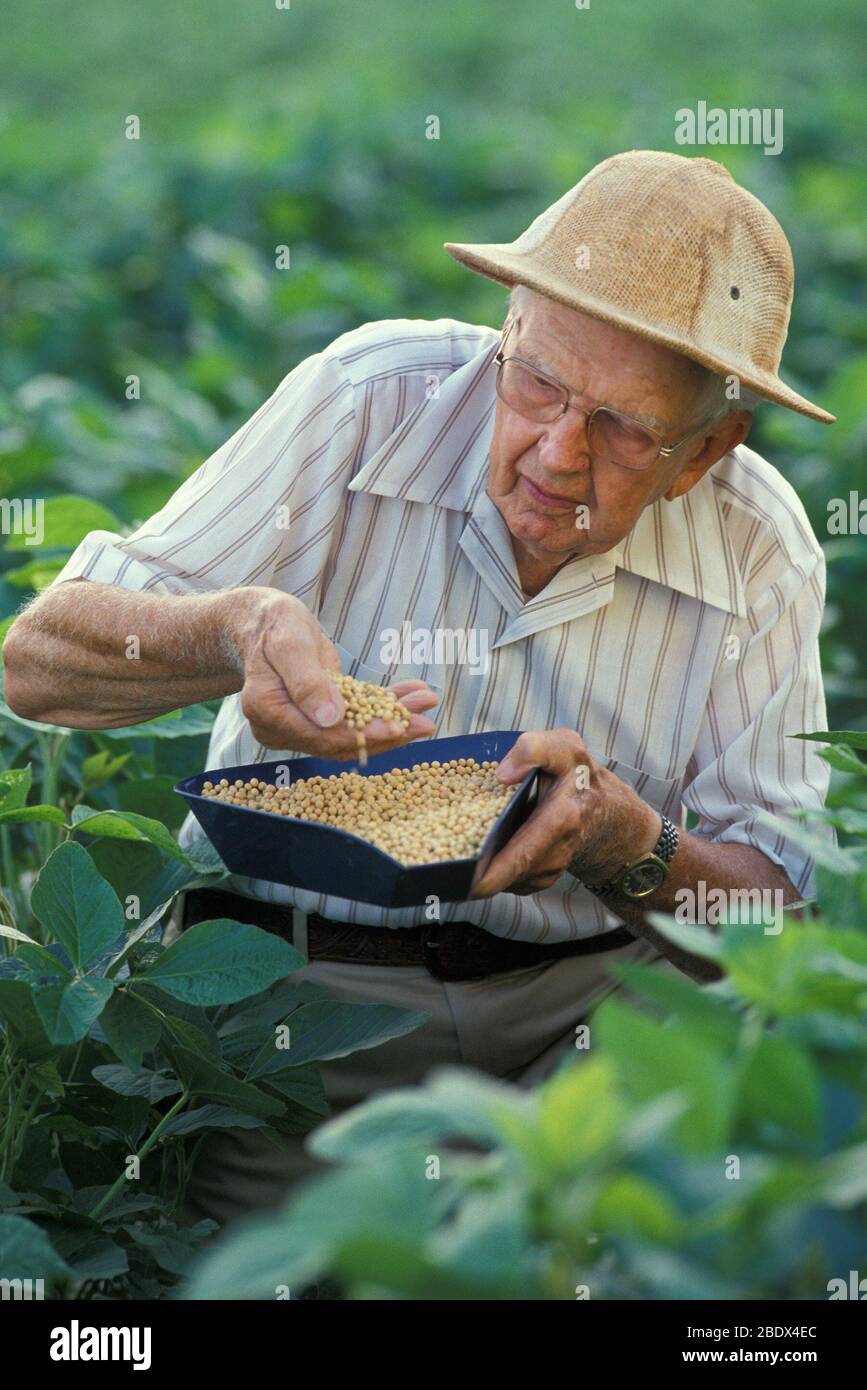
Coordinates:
(643, 876)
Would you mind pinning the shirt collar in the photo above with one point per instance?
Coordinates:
(439, 455)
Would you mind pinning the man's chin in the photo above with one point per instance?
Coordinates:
(548, 542)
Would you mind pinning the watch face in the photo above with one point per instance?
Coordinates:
(643, 878)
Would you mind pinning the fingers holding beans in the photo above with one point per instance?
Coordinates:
(369, 719)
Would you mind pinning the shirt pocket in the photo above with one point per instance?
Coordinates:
(352, 665)
(662, 793)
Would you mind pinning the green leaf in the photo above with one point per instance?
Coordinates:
(198, 1037)
(42, 961)
(579, 1115)
(173, 1250)
(303, 1086)
(794, 973)
(191, 722)
(22, 1020)
(67, 520)
(36, 574)
(76, 905)
(204, 1078)
(221, 962)
(676, 995)
(14, 786)
(135, 945)
(843, 899)
(847, 818)
(453, 1104)
(131, 1029)
(697, 939)
(145, 1084)
(99, 767)
(779, 1084)
(628, 1205)
(90, 1255)
(485, 1242)
(26, 1252)
(323, 1030)
(68, 1008)
(270, 1008)
(141, 871)
(855, 738)
(243, 1032)
(154, 797)
(667, 1274)
(66, 1126)
(211, 1117)
(377, 1267)
(652, 1060)
(844, 759)
(127, 825)
(45, 1075)
(44, 815)
(13, 934)
(820, 847)
(844, 1177)
(391, 1199)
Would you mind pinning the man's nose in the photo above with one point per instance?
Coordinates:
(563, 446)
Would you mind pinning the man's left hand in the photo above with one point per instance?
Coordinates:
(585, 816)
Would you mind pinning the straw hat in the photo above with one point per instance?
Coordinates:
(670, 248)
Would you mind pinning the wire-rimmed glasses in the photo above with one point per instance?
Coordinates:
(611, 435)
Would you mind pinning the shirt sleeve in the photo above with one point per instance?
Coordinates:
(767, 688)
(247, 509)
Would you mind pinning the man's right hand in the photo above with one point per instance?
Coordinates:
(69, 662)
(288, 697)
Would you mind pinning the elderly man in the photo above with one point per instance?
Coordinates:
(574, 490)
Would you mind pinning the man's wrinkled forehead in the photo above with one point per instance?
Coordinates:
(567, 344)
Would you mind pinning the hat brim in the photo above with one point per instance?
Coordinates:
(497, 261)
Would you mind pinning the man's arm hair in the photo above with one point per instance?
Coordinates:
(91, 655)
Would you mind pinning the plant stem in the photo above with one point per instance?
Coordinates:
(53, 749)
(71, 1072)
(9, 899)
(8, 1083)
(10, 1145)
(145, 1149)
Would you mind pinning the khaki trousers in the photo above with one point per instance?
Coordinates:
(517, 1026)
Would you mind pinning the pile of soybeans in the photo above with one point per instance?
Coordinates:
(424, 814)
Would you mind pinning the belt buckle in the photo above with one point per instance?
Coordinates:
(430, 945)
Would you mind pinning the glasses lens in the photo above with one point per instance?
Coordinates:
(532, 395)
(621, 439)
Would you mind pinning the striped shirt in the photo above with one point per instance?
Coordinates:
(685, 657)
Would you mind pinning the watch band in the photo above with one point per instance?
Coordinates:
(664, 849)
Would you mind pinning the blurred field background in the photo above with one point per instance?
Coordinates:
(306, 127)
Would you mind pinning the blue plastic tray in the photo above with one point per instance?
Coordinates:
(302, 854)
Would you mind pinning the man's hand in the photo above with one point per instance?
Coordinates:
(585, 816)
(288, 697)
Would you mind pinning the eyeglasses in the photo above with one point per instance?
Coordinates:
(611, 435)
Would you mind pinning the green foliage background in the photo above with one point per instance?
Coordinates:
(306, 127)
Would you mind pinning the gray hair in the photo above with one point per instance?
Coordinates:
(713, 389)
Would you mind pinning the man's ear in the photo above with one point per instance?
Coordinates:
(719, 439)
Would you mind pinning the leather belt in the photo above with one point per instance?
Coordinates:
(451, 951)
